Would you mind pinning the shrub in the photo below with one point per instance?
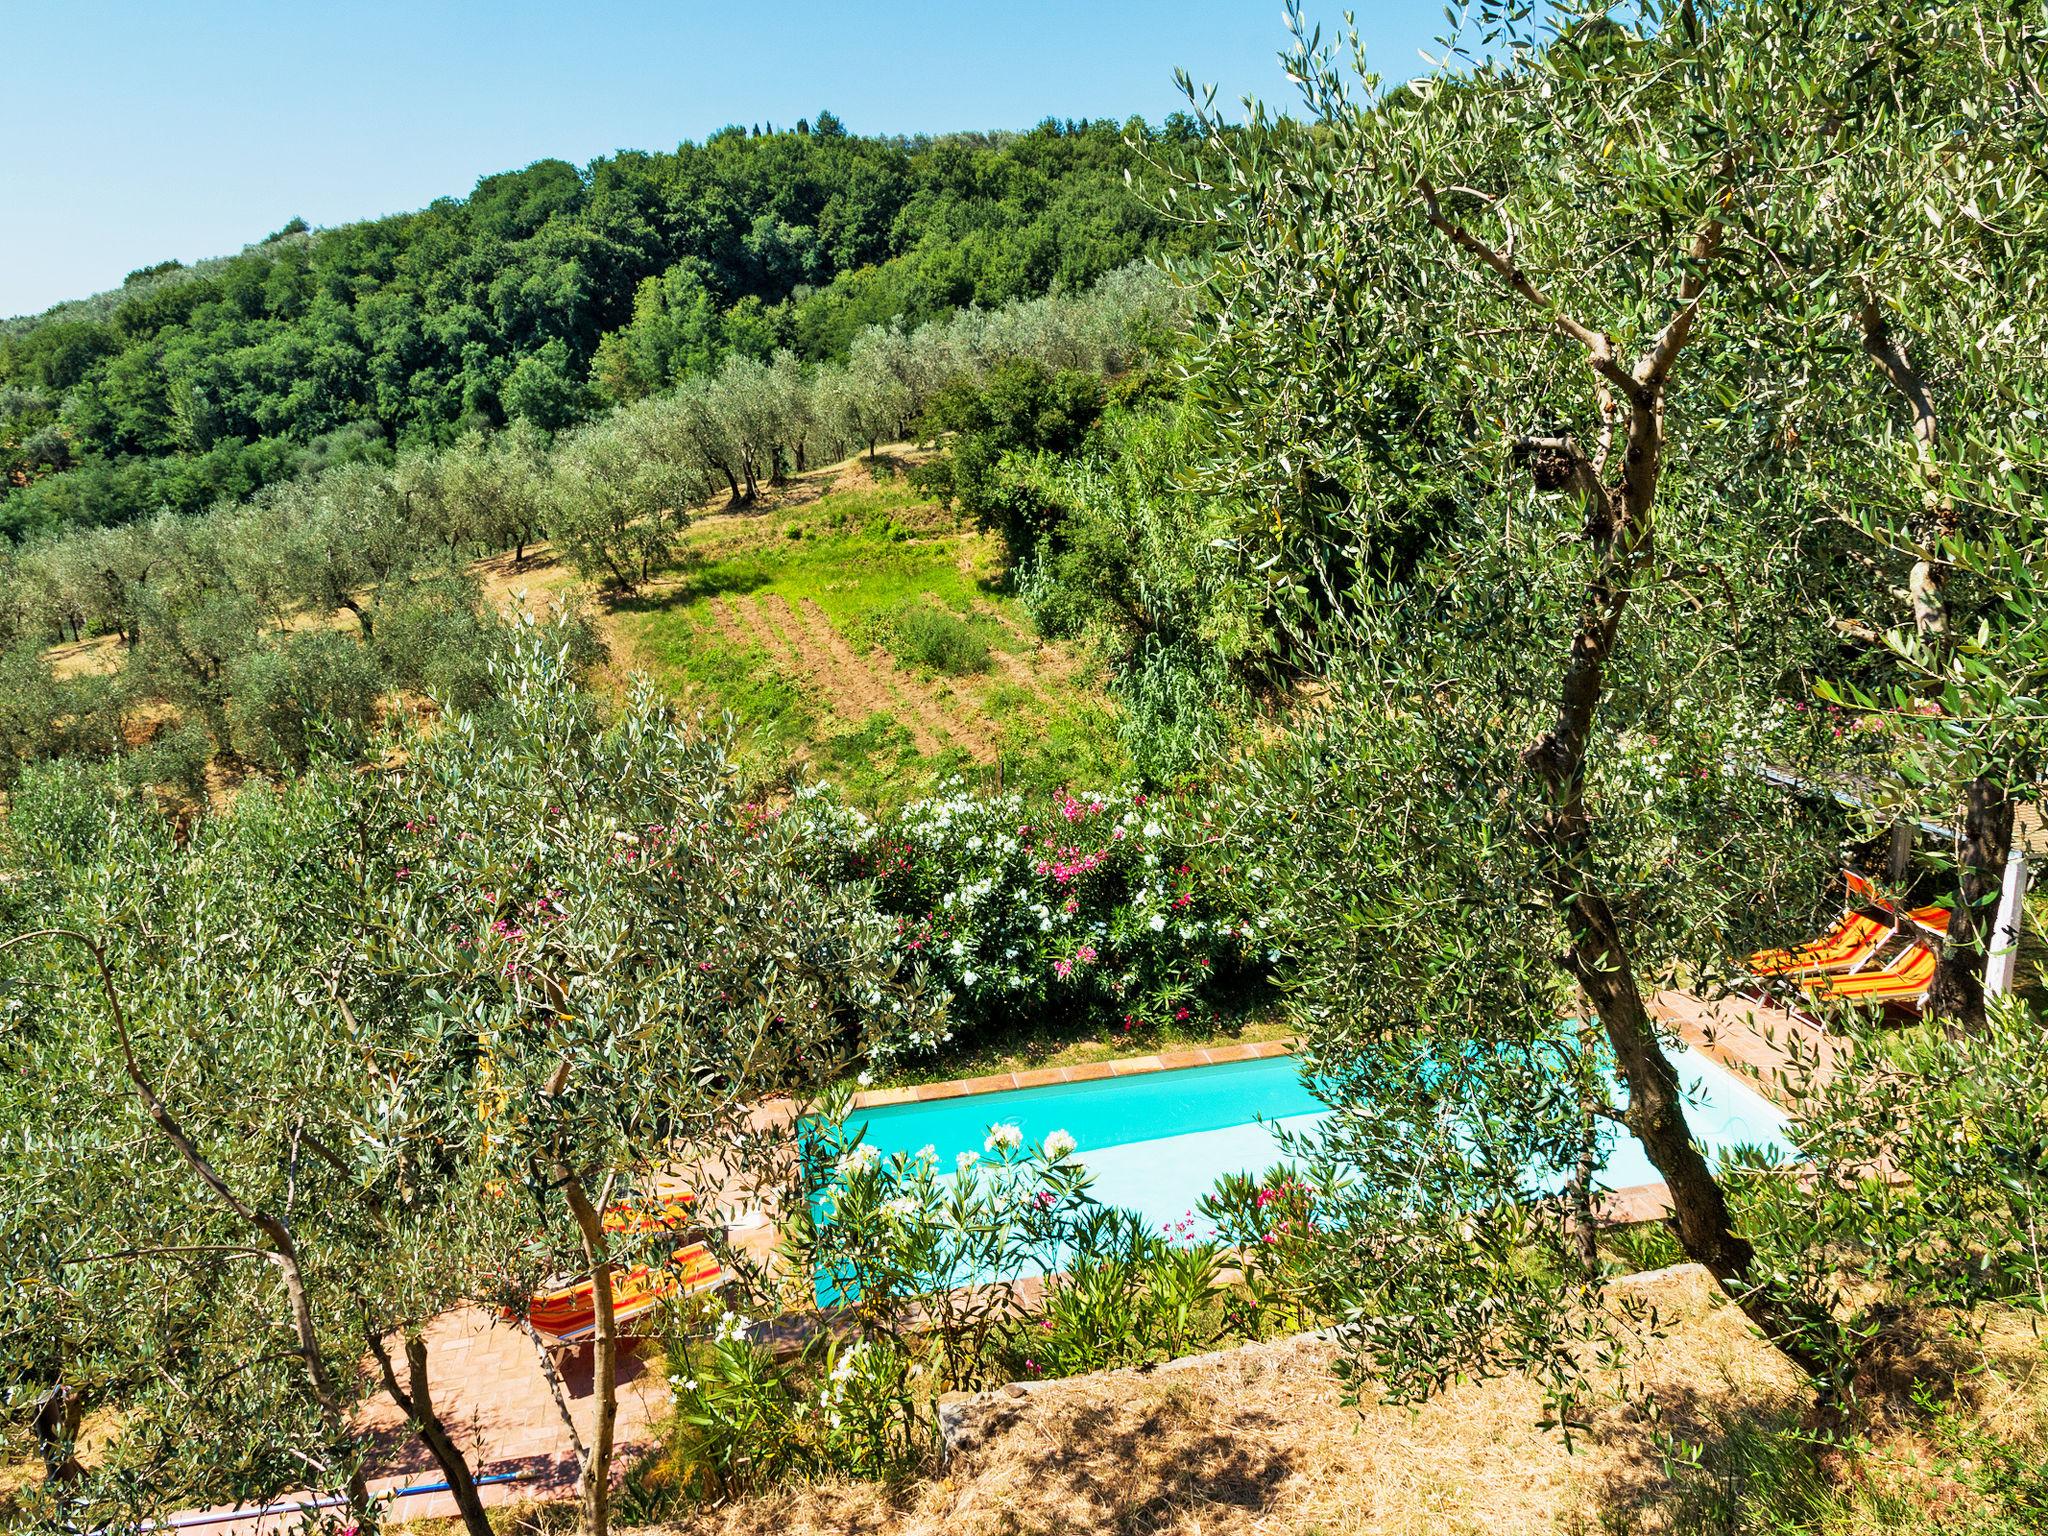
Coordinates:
(899, 1237)
(1269, 1226)
(1112, 909)
(1021, 406)
(1128, 1297)
(315, 687)
(930, 636)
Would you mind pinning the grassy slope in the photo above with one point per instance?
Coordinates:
(787, 617)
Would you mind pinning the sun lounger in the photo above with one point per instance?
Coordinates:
(569, 1315)
(1850, 943)
(668, 1214)
(1853, 943)
(1903, 980)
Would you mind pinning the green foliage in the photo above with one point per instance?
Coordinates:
(894, 1239)
(930, 636)
(1153, 577)
(1022, 406)
(44, 716)
(546, 286)
(313, 692)
(1929, 1156)
(1270, 1224)
(743, 1423)
(1125, 1297)
(1524, 512)
(268, 979)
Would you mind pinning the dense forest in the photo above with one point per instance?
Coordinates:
(542, 297)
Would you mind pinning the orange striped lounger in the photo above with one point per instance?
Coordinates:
(1904, 980)
(1847, 945)
(569, 1315)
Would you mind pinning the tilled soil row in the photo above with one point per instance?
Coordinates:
(921, 706)
(853, 691)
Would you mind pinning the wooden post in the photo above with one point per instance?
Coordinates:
(1899, 862)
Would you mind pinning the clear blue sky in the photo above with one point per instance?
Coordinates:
(138, 130)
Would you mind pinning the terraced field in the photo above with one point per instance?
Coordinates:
(793, 617)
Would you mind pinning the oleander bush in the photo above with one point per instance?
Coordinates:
(1112, 909)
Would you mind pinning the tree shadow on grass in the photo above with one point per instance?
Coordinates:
(1723, 1456)
(720, 580)
(1712, 1453)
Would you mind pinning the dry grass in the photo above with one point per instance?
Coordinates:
(1257, 1441)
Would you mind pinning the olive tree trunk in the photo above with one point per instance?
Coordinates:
(1620, 527)
(1987, 808)
(595, 1489)
(415, 1400)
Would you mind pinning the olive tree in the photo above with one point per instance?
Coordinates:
(1478, 380)
(622, 490)
(1916, 271)
(377, 1045)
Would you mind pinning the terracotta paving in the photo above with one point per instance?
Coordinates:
(1754, 1039)
(488, 1384)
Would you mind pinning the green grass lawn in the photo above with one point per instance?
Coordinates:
(930, 637)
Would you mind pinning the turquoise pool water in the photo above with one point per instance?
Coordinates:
(1158, 1141)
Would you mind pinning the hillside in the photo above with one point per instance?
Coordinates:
(546, 295)
(1256, 1439)
(857, 629)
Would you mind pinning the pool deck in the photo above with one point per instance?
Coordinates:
(1759, 1042)
(1094, 1071)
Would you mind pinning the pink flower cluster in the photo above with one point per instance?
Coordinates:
(1068, 863)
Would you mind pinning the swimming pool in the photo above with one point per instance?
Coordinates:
(1158, 1141)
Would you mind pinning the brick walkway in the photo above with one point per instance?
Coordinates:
(1755, 1039)
(491, 1392)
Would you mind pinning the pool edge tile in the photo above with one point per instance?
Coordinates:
(995, 1082)
(877, 1098)
(1136, 1066)
(1087, 1072)
(1091, 1072)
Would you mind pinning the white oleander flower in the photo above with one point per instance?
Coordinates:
(1003, 1138)
(1058, 1145)
(965, 1161)
(860, 1159)
(1157, 923)
(866, 1079)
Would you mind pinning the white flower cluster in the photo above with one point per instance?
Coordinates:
(838, 1380)
(859, 1160)
(1058, 1145)
(1003, 1138)
(731, 1328)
